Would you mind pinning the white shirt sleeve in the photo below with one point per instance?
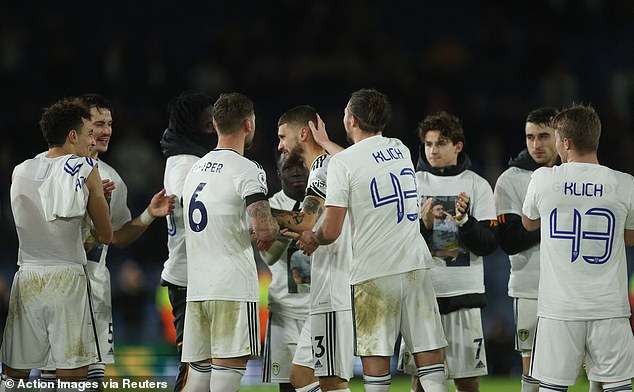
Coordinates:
(337, 184)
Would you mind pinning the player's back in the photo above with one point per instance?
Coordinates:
(220, 256)
(584, 210)
(43, 241)
(375, 180)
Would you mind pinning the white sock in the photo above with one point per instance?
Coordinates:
(96, 374)
(198, 377)
(377, 383)
(595, 386)
(224, 378)
(618, 386)
(545, 387)
(529, 384)
(340, 390)
(314, 387)
(48, 382)
(433, 378)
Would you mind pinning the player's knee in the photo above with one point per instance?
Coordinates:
(469, 384)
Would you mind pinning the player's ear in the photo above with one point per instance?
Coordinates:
(459, 147)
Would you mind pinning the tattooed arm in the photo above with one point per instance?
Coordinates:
(263, 223)
(305, 219)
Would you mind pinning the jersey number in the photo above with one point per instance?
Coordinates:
(171, 225)
(197, 205)
(576, 234)
(398, 195)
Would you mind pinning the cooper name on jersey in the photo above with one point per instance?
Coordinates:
(586, 189)
(388, 154)
(208, 166)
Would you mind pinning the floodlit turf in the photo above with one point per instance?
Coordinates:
(487, 384)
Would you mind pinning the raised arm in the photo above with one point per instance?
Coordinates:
(264, 225)
(161, 205)
(321, 137)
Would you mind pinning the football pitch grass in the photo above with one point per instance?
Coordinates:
(400, 383)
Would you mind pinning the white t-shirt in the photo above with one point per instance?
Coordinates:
(221, 264)
(456, 270)
(375, 180)
(330, 269)
(509, 193)
(289, 293)
(175, 267)
(59, 240)
(584, 210)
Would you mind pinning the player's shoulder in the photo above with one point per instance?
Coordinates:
(320, 162)
(107, 171)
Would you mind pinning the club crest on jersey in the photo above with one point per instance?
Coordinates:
(276, 368)
(523, 334)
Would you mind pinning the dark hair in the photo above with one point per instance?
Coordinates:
(450, 127)
(299, 115)
(541, 116)
(98, 101)
(185, 111)
(230, 110)
(371, 108)
(60, 118)
(580, 124)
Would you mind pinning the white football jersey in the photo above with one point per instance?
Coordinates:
(59, 240)
(330, 267)
(509, 193)
(175, 267)
(220, 260)
(584, 209)
(289, 290)
(375, 180)
(456, 270)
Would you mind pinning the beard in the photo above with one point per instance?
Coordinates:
(296, 154)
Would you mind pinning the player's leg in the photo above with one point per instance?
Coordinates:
(558, 353)
(610, 354)
(302, 374)
(332, 346)
(422, 330)
(178, 299)
(525, 313)
(466, 354)
(282, 335)
(196, 349)
(231, 348)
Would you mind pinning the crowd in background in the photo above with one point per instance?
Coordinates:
(489, 64)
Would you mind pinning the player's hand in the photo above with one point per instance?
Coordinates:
(284, 232)
(108, 187)
(319, 132)
(263, 245)
(426, 213)
(462, 205)
(306, 242)
(161, 204)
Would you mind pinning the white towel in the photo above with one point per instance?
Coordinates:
(63, 193)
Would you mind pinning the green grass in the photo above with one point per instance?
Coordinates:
(487, 384)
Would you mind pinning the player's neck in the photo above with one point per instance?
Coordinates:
(310, 154)
(583, 158)
(360, 135)
(55, 152)
(231, 142)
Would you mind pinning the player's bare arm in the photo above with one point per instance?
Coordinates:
(264, 225)
(98, 208)
(298, 221)
(328, 231)
(530, 224)
(161, 205)
(629, 237)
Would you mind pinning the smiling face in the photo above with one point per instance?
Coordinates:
(83, 139)
(540, 142)
(102, 128)
(440, 151)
